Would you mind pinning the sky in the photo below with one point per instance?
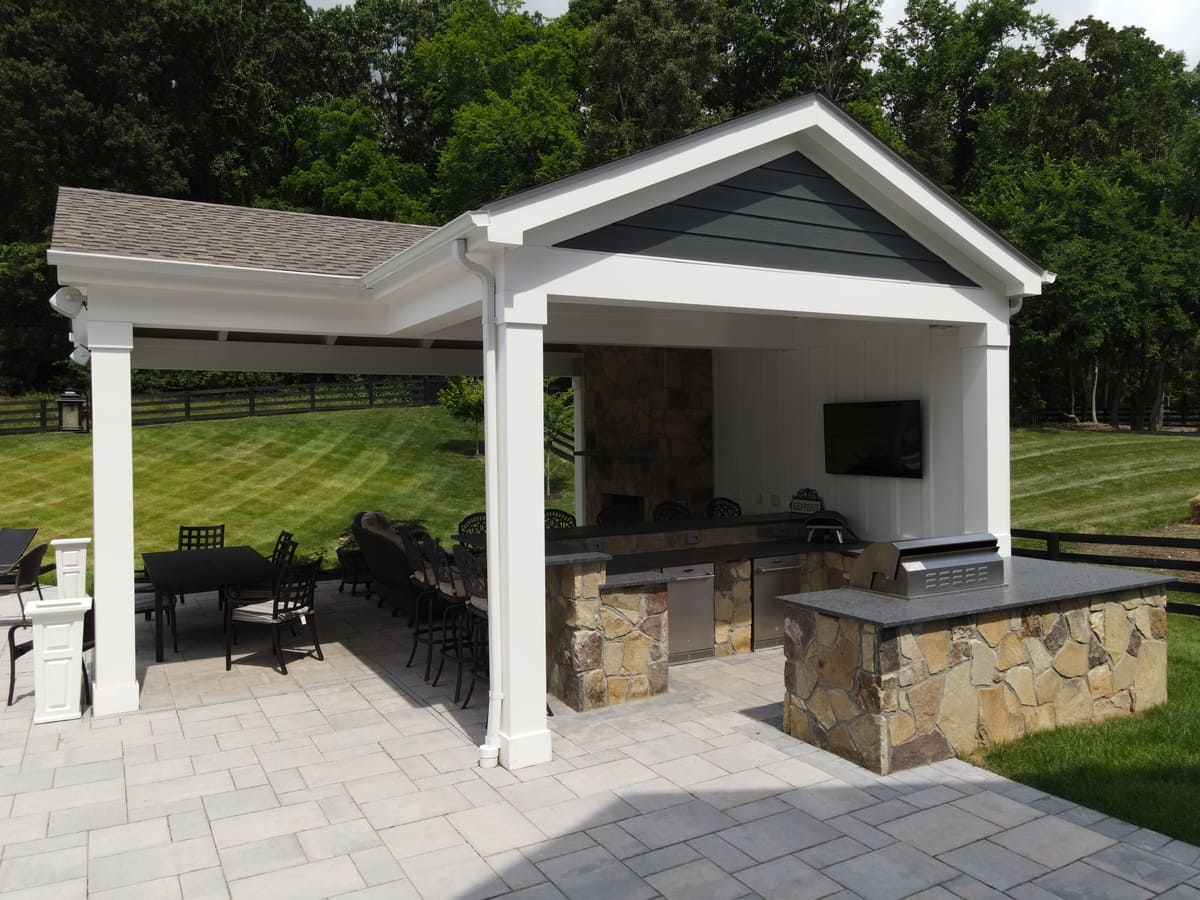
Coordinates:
(1170, 22)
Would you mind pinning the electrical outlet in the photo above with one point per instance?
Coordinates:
(595, 546)
(692, 537)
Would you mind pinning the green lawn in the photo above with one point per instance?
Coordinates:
(1144, 769)
(1105, 482)
(306, 473)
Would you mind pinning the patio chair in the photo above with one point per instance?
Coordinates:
(723, 508)
(475, 620)
(292, 602)
(384, 554)
(201, 537)
(456, 629)
(670, 511)
(559, 518)
(475, 523)
(144, 604)
(24, 580)
(285, 552)
(437, 591)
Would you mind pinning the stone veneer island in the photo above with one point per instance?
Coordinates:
(892, 683)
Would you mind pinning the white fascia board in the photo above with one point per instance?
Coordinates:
(583, 276)
(430, 252)
(649, 178)
(870, 170)
(85, 269)
(252, 356)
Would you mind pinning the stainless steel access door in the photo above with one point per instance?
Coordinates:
(773, 576)
(690, 612)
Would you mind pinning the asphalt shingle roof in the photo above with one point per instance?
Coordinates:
(91, 221)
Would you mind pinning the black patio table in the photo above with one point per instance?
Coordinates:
(13, 544)
(196, 571)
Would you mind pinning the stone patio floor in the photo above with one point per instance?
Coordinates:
(353, 777)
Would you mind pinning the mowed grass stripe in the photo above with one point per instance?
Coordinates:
(1102, 481)
(306, 473)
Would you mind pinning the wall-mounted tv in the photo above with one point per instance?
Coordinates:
(879, 438)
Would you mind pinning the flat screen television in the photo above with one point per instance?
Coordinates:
(880, 438)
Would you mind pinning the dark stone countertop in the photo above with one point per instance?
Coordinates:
(1031, 582)
(623, 528)
(634, 579)
(690, 556)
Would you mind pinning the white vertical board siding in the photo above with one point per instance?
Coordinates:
(769, 423)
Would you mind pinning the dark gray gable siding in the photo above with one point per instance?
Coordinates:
(787, 214)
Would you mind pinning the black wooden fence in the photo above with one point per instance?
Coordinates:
(1054, 542)
(25, 416)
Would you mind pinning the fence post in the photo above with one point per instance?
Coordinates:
(370, 392)
(45, 420)
(312, 398)
(1052, 546)
(250, 399)
(187, 404)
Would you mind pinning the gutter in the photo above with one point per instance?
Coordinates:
(489, 750)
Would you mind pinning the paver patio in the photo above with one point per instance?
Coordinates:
(352, 776)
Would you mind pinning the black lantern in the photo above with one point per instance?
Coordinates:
(71, 416)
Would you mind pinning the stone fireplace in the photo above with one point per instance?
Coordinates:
(649, 432)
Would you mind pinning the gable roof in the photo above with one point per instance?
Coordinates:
(129, 225)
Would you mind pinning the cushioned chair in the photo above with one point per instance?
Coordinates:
(292, 602)
(723, 508)
(559, 518)
(669, 511)
(439, 590)
(385, 556)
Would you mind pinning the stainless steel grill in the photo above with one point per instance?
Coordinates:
(929, 566)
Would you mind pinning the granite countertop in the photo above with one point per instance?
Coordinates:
(1031, 581)
(690, 556)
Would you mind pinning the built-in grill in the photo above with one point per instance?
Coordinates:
(926, 567)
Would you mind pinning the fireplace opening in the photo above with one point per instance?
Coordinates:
(621, 508)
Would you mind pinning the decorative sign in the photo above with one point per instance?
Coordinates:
(806, 501)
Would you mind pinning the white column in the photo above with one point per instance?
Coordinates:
(116, 687)
(580, 425)
(985, 432)
(519, 531)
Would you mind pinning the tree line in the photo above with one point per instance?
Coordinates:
(1079, 141)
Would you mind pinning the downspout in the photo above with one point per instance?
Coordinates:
(1014, 305)
(489, 750)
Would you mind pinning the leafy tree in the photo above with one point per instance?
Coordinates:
(781, 48)
(558, 413)
(653, 67)
(33, 345)
(462, 397)
(343, 170)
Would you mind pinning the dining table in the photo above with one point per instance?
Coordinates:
(197, 571)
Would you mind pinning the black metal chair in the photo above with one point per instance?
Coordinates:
(24, 579)
(201, 537)
(239, 595)
(475, 523)
(456, 629)
(670, 511)
(559, 518)
(292, 602)
(280, 556)
(723, 508)
(475, 621)
(437, 591)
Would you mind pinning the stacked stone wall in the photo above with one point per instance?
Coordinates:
(604, 644)
(893, 698)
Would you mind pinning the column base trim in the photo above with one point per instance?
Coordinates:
(115, 699)
(521, 751)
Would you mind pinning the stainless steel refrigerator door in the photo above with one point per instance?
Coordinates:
(774, 576)
(690, 612)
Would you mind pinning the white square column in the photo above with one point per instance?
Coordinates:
(517, 532)
(986, 476)
(116, 686)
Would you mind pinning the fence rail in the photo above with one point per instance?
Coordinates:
(25, 416)
(562, 445)
(1053, 549)
(1181, 416)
